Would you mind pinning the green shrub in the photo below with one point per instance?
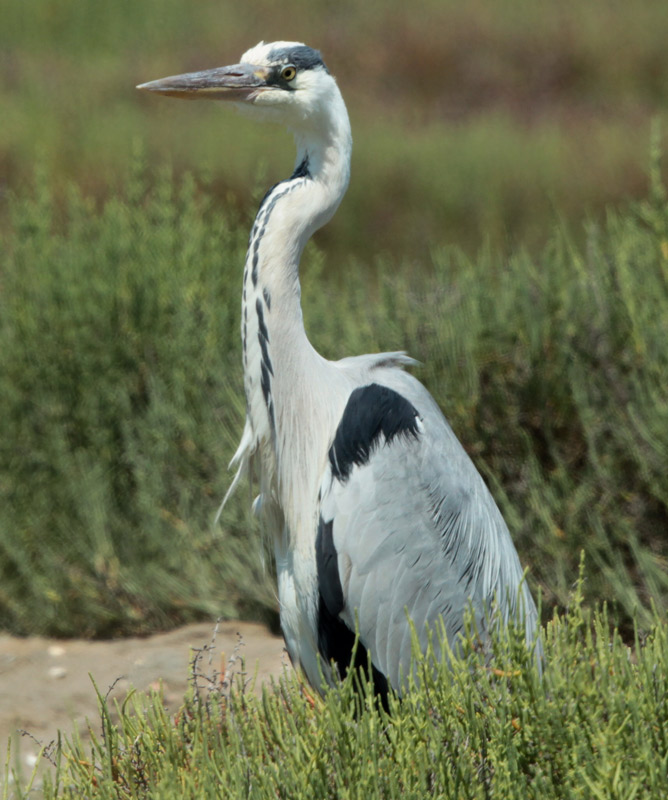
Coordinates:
(121, 397)
(122, 402)
(593, 727)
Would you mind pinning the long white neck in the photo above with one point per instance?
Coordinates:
(280, 366)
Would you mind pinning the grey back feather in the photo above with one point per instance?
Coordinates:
(417, 533)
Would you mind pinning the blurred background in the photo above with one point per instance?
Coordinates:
(473, 123)
(506, 218)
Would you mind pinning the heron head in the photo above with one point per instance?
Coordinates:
(285, 82)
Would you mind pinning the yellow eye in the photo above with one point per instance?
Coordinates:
(288, 73)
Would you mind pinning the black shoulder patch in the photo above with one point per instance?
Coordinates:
(371, 411)
(302, 57)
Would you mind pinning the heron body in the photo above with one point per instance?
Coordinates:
(377, 513)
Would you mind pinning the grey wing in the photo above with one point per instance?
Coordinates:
(407, 526)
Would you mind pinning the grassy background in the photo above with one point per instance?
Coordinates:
(122, 402)
(490, 137)
(500, 226)
(474, 122)
(593, 727)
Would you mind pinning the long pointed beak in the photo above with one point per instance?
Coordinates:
(238, 82)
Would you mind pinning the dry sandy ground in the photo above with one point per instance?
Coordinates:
(45, 684)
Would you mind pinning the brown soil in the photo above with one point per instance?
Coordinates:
(45, 684)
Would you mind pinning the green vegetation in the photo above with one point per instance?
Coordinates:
(122, 403)
(593, 727)
(544, 341)
(472, 122)
(121, 398)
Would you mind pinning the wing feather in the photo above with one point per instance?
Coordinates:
(413, 526)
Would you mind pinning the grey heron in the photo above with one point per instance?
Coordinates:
(376, 511)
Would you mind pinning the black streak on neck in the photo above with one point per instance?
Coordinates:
(265, 366)
(302, 171)
(267, 205)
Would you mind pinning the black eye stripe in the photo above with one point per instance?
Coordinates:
(277, 79)
(300, 57)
